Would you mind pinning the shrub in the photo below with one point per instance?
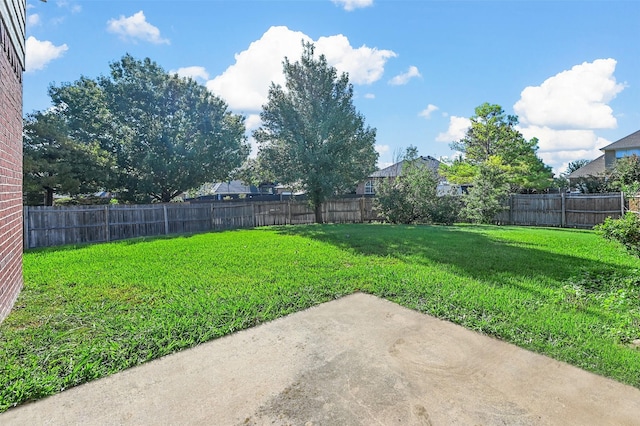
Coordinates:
(445, 210)
(625, 230)
(488, 195)
(407, 198)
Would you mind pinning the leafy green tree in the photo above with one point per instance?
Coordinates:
(167, 134)
(625, 175)
(493, 135)
(489, 194)
(253, 172)
(592, 184)
(54, 163)
(412, 196)
(496, 160)
(311, 135)
(408, 198)
(575, 165)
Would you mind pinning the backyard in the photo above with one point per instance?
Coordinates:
(89, 311)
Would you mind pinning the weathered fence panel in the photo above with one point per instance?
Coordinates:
(188, 218)
(54, 226)
(588, 210)
(342, 211)
(538, 209)
(268, 213)
(563, 210)
(132, 221)
(232, 216)
(300, 213)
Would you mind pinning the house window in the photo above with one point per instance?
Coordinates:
(627, 152)
(369, 187)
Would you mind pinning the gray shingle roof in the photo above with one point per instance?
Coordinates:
(233, 187)
(631, 141)
(396, 169)
(594, 168)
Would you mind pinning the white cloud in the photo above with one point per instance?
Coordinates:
(193, 72)
(252, 122)
(369, 96)
(244, 85)
(426, 113)
(404, 78)
(382, 149)
(573, 99)
(458, 127)
(350, 5)
(135, 27)
(40, 53)
(33, 20)
(558, 147)
(73, 7)
(365, 65)
(565, 109)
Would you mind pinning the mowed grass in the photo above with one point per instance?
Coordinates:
(87, 312)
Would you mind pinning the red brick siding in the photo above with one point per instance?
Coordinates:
(10, 175)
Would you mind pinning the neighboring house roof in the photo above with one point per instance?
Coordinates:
(597, 166)
(233, 187)
(594, 168)
(395, 170)
(631, 141)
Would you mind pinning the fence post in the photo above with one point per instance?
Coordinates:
(511, 197)
(107, 230)
(288, 213)
(621, 203)
(166, 219)
(253, 214)
(563, 204)
(25, 227)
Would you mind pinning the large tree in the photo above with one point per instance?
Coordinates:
(311, 135)
(55, 163)
(166, 134)
(497, 160)
(494, 139)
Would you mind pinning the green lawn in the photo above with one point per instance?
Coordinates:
(86, 312)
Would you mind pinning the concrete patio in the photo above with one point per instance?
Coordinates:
(359, 360)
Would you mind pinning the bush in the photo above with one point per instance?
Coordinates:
(488, 195)
(445, 210)
(407, 198)
(625, 230)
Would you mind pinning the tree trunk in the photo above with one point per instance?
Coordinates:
(318, 212)
(48, 196)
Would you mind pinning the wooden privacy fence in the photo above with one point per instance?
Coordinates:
(54, 226)
(563, 210)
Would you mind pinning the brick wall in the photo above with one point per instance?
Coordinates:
(10, 173)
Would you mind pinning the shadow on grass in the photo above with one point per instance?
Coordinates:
(473, 254)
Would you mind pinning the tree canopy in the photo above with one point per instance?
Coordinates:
(311, 135)
(496, 159)
(165, 134)
(494, 139)
(625, 175)
(53, 162)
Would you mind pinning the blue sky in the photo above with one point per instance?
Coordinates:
(569, 69)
